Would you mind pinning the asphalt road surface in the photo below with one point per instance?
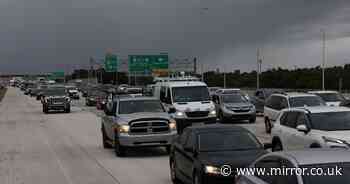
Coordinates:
(60, 148)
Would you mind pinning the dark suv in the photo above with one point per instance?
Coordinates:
(55, 99)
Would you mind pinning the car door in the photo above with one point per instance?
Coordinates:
(304, 140)
(179, 152)
(287, 130)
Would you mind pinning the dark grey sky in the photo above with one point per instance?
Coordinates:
(41, 35)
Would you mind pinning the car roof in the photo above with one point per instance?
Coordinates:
(322, 92)
(137, 98)
(321, 109)
(293, 94)
(316, 156)
(185, 83)
(216, 127)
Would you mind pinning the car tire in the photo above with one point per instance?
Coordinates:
(173, 175)
(118, 149)
(168, 149)
(106, 145)
(222, 118)
(267, 126)
(196, 178)
(252, 119)
(67, 110)
(277, 146)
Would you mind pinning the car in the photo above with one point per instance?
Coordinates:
(200, 152)
(332, 98)
(101, 100)
(234, 106)
(312, 127)
(137, 122)
(279, 101)
(72, 92)
(55, 99)
(332, 166)
(260, 97)
(91, 99)
(187, 101)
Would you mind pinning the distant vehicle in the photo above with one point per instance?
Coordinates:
(199, 154)
(306, 160)
(55, 99)
(279, 101)
(260, 97)
(137, 122)
(187, 101)
(332, 98)
(312, 127)
(93, 96)
(212, 90)
(73, 92)
(234, 106)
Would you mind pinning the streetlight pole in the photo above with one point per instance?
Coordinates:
(323, 57)
(259, 63)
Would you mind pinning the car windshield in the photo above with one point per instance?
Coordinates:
(306, 101)
(227, 141)
(331, 97)
(136, 106)
(343, 177)
(234, 98)
(190, 94)
(54, 92)
(331, 121)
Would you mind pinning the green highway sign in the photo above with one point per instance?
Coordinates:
(58, 74)
(111, 63)
(147, 63)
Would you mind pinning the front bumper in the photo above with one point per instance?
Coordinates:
(152, 140)
(239, 116)
(57, 107)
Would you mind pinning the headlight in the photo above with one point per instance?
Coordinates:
(212, 112)
(333, 142)
(124, 129)
(179, 114)
(172, 124)
(212, 170)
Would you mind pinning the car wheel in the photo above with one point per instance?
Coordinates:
(173, 174)
(118, 149)
(106, 145)
(252, 120)
(267, 126)
(196, 179)
(168, 148)
(277, 146)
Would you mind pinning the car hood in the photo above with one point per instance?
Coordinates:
(194, 106)
(144, 115)
(343, 135)
(238, 105)
(233, 158)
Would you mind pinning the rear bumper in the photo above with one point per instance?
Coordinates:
(153, 140)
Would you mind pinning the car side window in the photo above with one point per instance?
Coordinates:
(301, 120)
(269, 102)
(162, 94)
(283, 118)
(267, 164)
(275, 102)
(284, 103)
(290, 120)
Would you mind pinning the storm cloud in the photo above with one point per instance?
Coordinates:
(44, 35)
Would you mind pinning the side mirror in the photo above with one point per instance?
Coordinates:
(303, 128)
(267, 146)
(171, 110)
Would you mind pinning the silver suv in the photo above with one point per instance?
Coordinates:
(137, 122)
(279, 101)
(234, 106)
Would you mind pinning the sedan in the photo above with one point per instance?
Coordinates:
(201, 152)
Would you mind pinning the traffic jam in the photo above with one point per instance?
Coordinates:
(206, 132)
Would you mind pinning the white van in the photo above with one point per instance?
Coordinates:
(188, 102)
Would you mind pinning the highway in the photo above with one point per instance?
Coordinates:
(38, 148)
